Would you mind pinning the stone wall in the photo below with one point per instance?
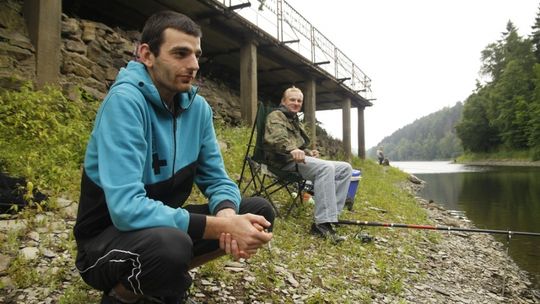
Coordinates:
(91, 55)
(17, 54)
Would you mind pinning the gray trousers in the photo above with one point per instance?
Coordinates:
(331, 181)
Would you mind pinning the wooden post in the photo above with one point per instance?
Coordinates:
(361, 138)
(346, 120)
(43, 19)
(248, 81)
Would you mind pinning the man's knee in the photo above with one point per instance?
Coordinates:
(326, 167)
(348, 169)
(166, 262)
(172, 247)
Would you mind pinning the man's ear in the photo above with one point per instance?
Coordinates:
(146, 56)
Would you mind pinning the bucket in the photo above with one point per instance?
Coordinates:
(355, 178)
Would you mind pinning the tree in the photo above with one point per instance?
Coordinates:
(535, 37)
(507, 98)
(474, 130)
(534, 132)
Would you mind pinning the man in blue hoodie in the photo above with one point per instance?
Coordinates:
(152, 139)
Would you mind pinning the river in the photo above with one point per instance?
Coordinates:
(502, 198)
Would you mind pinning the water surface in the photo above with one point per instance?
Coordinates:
(502, 198)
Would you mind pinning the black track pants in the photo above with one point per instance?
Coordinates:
(150, 261)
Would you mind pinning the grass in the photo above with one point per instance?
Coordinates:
(500, 155)
(298, 265)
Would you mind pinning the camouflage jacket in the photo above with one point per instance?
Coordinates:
(283, 133)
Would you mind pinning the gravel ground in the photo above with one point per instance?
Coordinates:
(468, 268)
(461, 268)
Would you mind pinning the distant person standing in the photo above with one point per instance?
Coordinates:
(380, 155)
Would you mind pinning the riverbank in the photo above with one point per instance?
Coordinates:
(501, 162)
(421, 266)
(466, 267)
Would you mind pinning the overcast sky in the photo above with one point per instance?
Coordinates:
(422, 55)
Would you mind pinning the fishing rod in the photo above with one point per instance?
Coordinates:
(443, 228)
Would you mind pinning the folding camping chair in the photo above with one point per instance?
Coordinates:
(266, 180)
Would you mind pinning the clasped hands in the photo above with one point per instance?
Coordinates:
(247, 233)
(299, 156)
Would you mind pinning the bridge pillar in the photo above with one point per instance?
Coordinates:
(346, 120)
(248, 81)
(310, 100)
(361, 136)
(43, 19)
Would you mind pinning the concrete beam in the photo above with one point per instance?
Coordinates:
(346, 120)
(43, 19)
(361, 136)
(310, 100)
(248, 81)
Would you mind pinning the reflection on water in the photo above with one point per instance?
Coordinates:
(504, 198)
(435, 167)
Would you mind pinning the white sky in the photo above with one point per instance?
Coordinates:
(421, 55)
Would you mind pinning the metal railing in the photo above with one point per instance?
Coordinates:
(280, 20)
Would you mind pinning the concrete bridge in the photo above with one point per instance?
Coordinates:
(264, 46)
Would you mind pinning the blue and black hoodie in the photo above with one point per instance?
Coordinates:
(143, 158)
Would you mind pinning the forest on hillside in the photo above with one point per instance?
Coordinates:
(431, 137)
(502, 113)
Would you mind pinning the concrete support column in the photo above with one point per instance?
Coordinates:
(248, 81)
(310, 100)
(43, 19)
(361, 138)
(346, 120)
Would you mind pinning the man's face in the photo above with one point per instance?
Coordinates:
(293, 100)
(176, 66)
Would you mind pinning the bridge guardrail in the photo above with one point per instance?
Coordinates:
(280, 20)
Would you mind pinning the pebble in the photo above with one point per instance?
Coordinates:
(30, 253)
(460, 268)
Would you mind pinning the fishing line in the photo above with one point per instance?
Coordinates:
(443, 228)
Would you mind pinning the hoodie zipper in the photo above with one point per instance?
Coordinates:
(174, 143)
(175, 124)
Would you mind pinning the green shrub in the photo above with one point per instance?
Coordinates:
(43, 136)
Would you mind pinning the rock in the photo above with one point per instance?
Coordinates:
(29, 253)
(70, 28)
(7, 282)
(377, 209)
(71, 67)
(5, 260)
(76, 46)
(222, 146)
(16, 52)
(49, 253)
(235, 269)
(89, 31)
(234, 264)
(292, 281)
(12, 225)
(415, 180)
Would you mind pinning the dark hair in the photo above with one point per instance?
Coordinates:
(152, 33)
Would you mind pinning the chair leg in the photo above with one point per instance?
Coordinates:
(268, 195)
(298, 199)
(293, 204)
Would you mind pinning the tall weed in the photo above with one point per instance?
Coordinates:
(43, 136)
